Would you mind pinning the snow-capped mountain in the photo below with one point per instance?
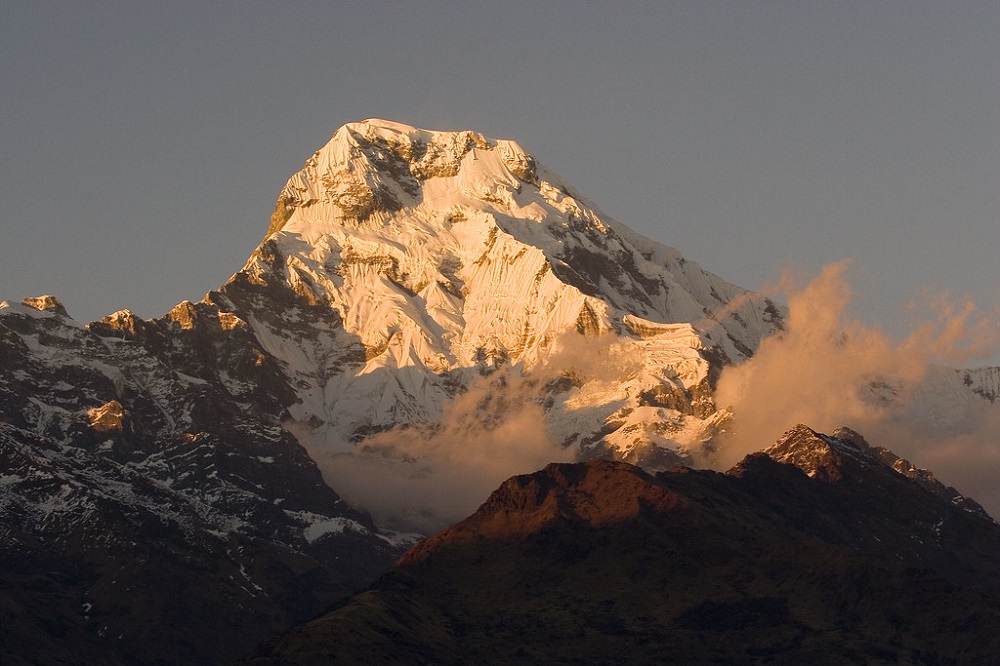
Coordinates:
(162, 481)
(402, 269)
(402, 264)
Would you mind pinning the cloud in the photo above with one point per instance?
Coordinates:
(827, 371)
(423, 478)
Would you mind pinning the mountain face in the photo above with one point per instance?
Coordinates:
(165, 484)
(402, 265)
(158, 502)
(817, 550)
(153, 508)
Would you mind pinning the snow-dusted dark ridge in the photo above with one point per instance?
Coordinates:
(149, 494)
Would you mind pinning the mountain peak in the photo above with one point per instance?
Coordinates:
(846, 454)
(591, 494)
(46, 303)
(375, 167)
(818, 455)
(430, 258)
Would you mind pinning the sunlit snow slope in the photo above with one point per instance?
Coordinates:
(402, 266)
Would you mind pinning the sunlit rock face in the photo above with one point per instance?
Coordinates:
(826, 457)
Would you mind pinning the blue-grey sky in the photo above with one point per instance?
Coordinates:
(144, 144)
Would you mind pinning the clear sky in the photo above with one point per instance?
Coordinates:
(144, 144)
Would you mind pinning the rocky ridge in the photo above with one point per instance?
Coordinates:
(825, 456)
(603, 562)
(145, 476)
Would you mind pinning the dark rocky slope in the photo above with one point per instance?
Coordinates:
(153, 509)
(600, 562)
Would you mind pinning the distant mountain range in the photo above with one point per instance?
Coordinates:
(428, 314)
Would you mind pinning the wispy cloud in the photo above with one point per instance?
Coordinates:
(426, 477)
(826, 370)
